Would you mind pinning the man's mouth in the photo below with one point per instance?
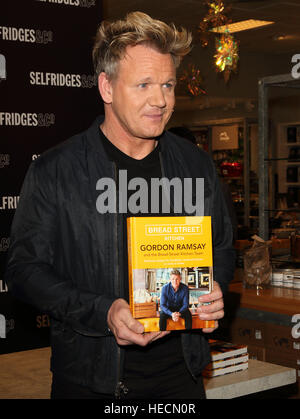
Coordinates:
(155, 117)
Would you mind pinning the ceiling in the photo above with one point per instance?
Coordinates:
(188, 13)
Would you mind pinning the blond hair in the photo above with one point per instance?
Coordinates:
(113, 38)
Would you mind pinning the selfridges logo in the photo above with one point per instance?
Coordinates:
(9, 202)
(3, 286)
(8, 33)
(2, 67)
(2, 327)
(4, 160)
(77, 3)
(6, 325)
(38, 78)
(4, 244)
(27, 119)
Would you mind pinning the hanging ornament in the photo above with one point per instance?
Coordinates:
(203, 35)
(193, 80)
(226, 57)
(215, 17)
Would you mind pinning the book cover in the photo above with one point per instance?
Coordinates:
(222, 350)
(170, 265)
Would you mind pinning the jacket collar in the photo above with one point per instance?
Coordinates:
(175, 154)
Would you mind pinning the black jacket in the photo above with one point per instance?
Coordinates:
(66, 259)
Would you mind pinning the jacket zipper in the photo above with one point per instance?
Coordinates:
(184, 355)
(120, 389)
(186, 363)
(164, 176)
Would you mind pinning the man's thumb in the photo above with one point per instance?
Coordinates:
(136, 326)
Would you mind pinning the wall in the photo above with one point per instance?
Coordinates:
(236, 98)
(48, 93)
(239, 97)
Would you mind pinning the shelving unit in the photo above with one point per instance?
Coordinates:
(243, 186)
(265, 157)
(289, 165)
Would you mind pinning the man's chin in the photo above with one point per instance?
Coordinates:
(150, 131)
(152, 134)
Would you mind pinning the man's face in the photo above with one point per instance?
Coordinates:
(143, 92)
(175, 281)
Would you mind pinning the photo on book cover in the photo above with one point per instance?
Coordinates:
(167, 299)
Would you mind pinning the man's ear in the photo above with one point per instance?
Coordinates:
(105, 88)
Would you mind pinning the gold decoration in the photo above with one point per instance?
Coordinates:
(226, 57)
(193, 79)
(215, 17)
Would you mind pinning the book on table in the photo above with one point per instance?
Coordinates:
(215, 372)
(226, 357)
(222, 350)
(170, 265)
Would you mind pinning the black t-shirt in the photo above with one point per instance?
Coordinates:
(162, 355)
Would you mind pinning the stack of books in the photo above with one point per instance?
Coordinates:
(226, 358)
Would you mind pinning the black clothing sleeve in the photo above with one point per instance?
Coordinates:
(31, 275)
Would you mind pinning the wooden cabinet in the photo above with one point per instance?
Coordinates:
(267, 339)
(248, 332)
(268, 342)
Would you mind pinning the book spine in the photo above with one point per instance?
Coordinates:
(130, 226)
(230, 361)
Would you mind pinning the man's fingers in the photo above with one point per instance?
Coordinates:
(125, 336)
(126, 329)
(133, 324)
(157, 335)
(214, 310)
(129, 331)
(211, 308)
(215, 295)
(120, 321)
(142, 339)
(211, 329)
(213, 314)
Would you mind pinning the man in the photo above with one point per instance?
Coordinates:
(70, 260)
(174, 302)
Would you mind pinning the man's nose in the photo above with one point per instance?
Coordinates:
(157, 97)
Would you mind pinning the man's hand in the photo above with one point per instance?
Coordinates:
(126, 329)
(213, 311)
(175, 316)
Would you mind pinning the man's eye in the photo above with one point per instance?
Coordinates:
(168, 85)
(143, 85)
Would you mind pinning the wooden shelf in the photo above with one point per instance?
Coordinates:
(274, 299)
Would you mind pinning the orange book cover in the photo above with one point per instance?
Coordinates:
(170, 265)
